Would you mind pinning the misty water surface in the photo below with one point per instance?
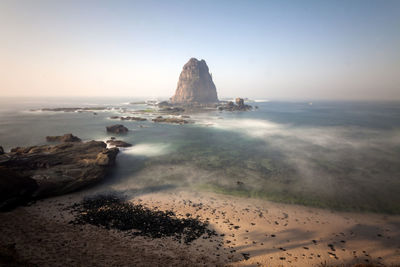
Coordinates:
(340, 155)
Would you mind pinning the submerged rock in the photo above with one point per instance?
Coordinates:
(55, 169)
(117, 128)
(65, 138)
(195, 84)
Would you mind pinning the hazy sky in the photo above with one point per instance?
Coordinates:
(260, 49)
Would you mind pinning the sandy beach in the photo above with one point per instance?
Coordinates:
(251, 232)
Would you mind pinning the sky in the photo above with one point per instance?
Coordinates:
(347, 49)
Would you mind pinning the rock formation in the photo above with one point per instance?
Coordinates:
(41, 171)
(118, 143)
(15, 189)
(65, 138)
(195, 85)
(240, 105)
(117, 128)
(170, 120)
(239, 101)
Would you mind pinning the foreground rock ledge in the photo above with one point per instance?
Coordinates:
(41, 171)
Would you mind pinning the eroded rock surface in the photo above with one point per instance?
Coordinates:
(15, 189)
(195, 84)
(41, 171)
(118, 143)
(65, 138)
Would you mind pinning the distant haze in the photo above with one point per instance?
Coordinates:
(257, 49)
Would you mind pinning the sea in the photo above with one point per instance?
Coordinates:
(333, 155)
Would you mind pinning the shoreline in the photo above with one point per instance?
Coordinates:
(251, 232)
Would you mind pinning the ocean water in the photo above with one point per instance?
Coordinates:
(336, 155)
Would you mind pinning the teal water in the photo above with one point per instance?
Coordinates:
(339, 155)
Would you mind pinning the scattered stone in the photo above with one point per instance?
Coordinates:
(246, 256)
(65, 138)
(117, 128)
(113, 212)
(332, 247)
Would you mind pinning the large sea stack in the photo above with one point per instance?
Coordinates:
(195, 85)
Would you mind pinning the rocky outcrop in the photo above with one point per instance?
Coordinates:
(41, 171)
(65, 138)
(170, 120)
(129, 118)
(118, 143)
(117, 128)
(195, 84)
(239, 106)
(164, 104)
(239, 101)
(172, 110)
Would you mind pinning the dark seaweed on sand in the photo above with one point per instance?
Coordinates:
(113, 212)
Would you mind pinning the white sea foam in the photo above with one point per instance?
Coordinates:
(251, 127)
(148, 150)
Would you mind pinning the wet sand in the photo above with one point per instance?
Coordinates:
(251, 232)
